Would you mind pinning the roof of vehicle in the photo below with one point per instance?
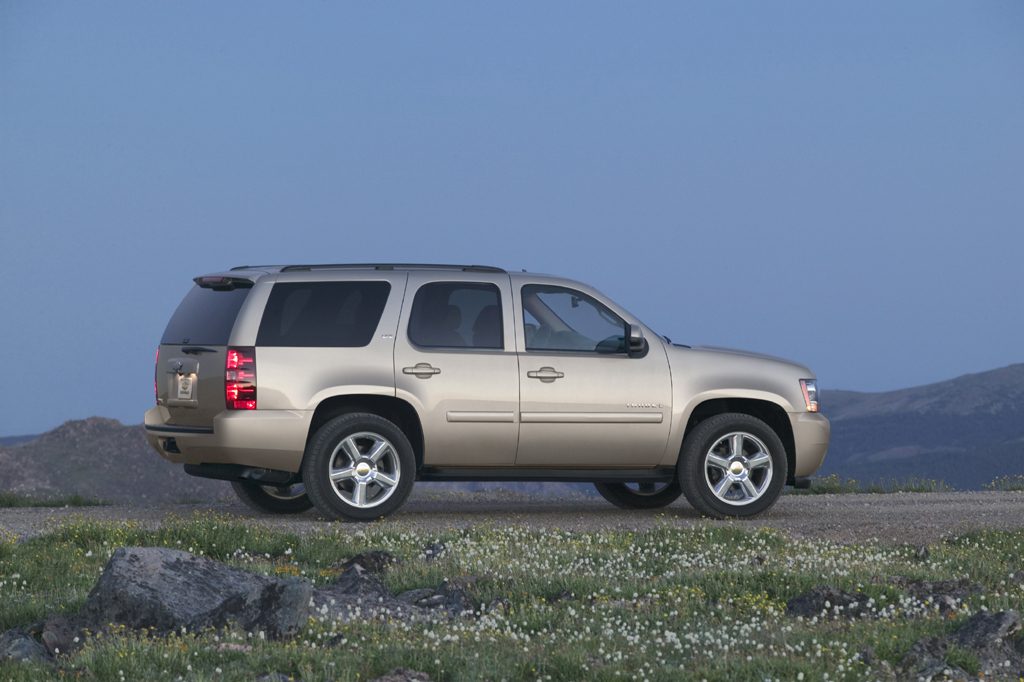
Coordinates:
(368, 266)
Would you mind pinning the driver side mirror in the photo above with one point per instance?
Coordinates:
(636, 344)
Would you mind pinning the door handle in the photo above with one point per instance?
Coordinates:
(422, 370)
(545, 374)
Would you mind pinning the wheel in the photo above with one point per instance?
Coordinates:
(732, 465)
(358, 466)
(640, 495)
(289, 499)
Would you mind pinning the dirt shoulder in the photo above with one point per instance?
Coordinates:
(915, 518)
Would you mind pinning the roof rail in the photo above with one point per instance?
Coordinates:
(252, 267)
(391, 266)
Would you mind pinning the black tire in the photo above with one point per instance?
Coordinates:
(397, 463)
(698, 478)
(271, 500)
(625, 497)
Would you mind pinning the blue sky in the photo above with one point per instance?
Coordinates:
(840, 183)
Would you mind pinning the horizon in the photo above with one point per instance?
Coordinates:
(838, 185)
(824, 394)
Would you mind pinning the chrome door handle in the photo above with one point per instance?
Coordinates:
(423, 370)
(545, 374)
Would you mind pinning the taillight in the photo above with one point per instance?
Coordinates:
(156, 374)
(240, 378)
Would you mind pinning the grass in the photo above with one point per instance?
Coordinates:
(8, 500)
(833, 484)
(1008, 483)
(660, 604)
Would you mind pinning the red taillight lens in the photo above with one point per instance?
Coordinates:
(156, 374)
(240, 378)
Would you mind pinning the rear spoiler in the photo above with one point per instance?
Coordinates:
(222, 283)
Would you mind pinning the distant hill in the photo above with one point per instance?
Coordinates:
(99, 458)
(965, 431)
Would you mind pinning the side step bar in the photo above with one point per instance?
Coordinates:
(653, 475)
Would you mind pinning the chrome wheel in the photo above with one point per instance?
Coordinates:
(364, 469)
(285, 492)
(738, 468)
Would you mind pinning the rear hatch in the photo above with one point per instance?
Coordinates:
(191, 361)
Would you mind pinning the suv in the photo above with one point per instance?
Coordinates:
(338, 386)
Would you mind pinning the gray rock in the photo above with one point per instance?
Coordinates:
(357, 581)
(18, 645)
(274, 677)
(58, 636)
(167, 589)
(434, 550)
(926, 660)
(824, 600)
(986, 630)
(403, 675)
(374, 561)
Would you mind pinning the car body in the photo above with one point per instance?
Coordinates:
(464, 373)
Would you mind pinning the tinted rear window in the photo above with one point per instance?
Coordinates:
(323, 314)
(205, 317)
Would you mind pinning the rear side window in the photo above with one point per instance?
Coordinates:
(456, 315)
(205, 317)
(323, 314)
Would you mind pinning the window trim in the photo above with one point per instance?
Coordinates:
(468, 284)
(573, 351)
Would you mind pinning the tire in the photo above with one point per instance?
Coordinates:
(348, 444)
(268, 499)
(747, 483)
(641, 497)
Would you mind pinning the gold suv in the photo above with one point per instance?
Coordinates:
(338, 386)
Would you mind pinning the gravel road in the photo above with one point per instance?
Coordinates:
(915, 518)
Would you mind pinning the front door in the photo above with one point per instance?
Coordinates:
(455, 362)
(583, 401)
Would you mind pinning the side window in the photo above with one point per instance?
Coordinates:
(456, 315)
(556, 318)
(322, 314)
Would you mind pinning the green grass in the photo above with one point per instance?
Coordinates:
(1015, 482)
(17, 500)
(833, 484)
(660, 604)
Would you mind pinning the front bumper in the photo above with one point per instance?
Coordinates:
(811, 432)
(268, 439)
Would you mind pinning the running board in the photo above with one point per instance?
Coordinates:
(652, 475)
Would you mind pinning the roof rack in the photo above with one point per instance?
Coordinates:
(391, 266)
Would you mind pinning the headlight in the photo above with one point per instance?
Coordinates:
(809, 387)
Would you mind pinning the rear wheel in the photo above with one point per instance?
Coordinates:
(732, 465)
(640, 495)
(289, 499)
(358, 466)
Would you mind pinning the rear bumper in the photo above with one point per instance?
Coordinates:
(811, 432)
(269, 439)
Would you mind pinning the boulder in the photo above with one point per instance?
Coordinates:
(18, 645)
(374, 561)
(167, 589)
(827, 601)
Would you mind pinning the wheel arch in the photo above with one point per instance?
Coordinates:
(394, 409)
(771, 413)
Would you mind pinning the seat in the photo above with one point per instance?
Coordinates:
(487, 328)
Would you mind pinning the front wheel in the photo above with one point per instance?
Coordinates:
(640, 495)
(358, 466)
(269, 499)
(732, 465)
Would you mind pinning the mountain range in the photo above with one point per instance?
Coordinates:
(966, 431)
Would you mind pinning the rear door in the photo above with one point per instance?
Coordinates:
(455, 361)
(190, 364)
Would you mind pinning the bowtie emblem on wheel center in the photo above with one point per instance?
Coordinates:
(363, 469)
(736, 468)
